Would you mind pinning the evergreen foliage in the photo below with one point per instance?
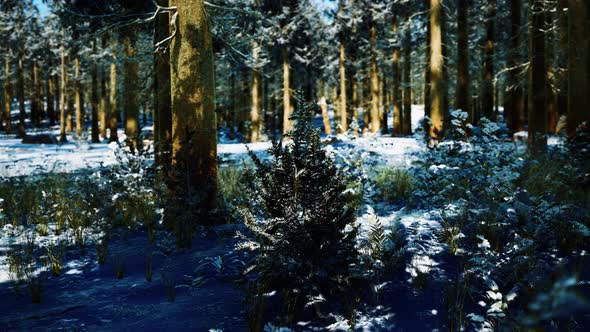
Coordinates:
(301, 220)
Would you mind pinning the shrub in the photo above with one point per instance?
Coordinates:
(301, 224)
(394, 184)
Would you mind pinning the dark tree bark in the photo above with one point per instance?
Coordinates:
(537, 140)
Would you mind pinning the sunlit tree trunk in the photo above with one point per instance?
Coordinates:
(287, 108)
(537, 79)
(324, 108)
(62, 89)
(113, 107)
(374, 81)
(396, 93)
(255, 111)
(462, 101)
(163, 112)
(578, 65)
(343, 101)
(488, 63)
(94, 99)
(103, 113)
(192, 82)
(69, 102)
(78, 96)
(435, 70)
(407, 81)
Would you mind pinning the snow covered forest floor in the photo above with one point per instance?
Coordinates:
(463, 217)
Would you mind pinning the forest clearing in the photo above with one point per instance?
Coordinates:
(295, 165)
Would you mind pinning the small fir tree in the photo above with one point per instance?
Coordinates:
(301, 220)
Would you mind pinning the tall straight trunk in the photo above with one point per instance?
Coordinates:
(396, 93)
(7, 91)
(324, 109)
(435, 70)
(488, 64)
(163, 112)
(41, 95)
(103, 113)
(374, 81)
(94, 100)
(192, 84)
(551, 75)
(366, 98)
(78, 96)
(578, 66)
(537, 140)
(130, 78)
(34, 95)
(355, 99)
(287, 108)
(20, 91)
(562, 56)
(384, 104)
(343, 101)
(407, 80)
(462, 101)
(425, 93)
(51, 99)
(113, 107)
(62, 89)
(69, 102)
(516, 102)
(255, 111)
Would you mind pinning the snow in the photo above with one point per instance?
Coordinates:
(87, 296)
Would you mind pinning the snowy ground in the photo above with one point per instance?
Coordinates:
(89, 297)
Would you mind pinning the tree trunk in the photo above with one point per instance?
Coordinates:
(396, 93)
(192, 83)
(343, 101)
(34, 95)
(62, 89)
(407, 81)
(563, 49)
(7, 96)
(287, 108)
(516, 93)
(130, 102)
(78, 96)
(51, 99)
(163, 112)
(537, 140)
(114, 110)
(488, 64)
(463, 78)
(69, 103)
(578, 66)
(20, 90)
(374, 81)
(94, 99)
(255, 112)
(324, 108)
(551, 75)
(355, 99)
(41, 93)
(436, 63)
